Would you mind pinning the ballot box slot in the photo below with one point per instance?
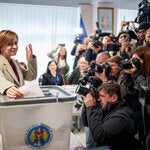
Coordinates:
(51, 93)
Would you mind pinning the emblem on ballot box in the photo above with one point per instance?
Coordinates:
(39, 136)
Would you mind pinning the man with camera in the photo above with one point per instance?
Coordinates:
(95, 48)
(141, 34)
(99, 73)
(117, 74)
(112, 124)
(79, 49)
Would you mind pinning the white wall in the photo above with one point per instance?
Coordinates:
(128, 15)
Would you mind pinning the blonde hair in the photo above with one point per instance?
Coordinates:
(7, 36)
(82, 59)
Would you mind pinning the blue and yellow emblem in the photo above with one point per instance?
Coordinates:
(38, 136)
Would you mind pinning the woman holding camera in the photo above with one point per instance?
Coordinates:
(142, 53)
(135, 79)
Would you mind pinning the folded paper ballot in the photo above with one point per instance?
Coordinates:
(31, 89)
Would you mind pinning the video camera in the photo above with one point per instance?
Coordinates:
(98, 33)
(78, 39)
(127, 64)
(92, 81)
(143, 12)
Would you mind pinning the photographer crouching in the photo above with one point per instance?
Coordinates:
(111, 124)
(95, 75)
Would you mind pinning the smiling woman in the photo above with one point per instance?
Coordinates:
(11, 74)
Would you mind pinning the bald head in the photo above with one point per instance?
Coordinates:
(102, 57)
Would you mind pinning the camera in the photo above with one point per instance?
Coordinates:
(88, 73)
(143, 12)
(99, 68)
(97, 44)
(113, 47)
(94, 83)
(94, 38)
(90, 79)
(126, 36)
(127, 64)
(83, 90)
(78, 39)
(98, 33)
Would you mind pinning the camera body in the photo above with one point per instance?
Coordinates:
(126, 36)
(94, 83)
(99, 68)
(78, 39)
(97, 44)
(113, 47)
(127, 64)
(90, 83)
(143, 12)
(94, 38)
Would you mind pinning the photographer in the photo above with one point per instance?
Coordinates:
(117, 74)
(110, 125)
(143, 12)
(79, 49)
(101, 74)
(141, 34)
(94, 49)
(137, 75)
(124, 42)
(106, 40)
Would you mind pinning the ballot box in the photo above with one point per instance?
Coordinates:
(37, 122)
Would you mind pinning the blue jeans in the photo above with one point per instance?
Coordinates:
(89, 141)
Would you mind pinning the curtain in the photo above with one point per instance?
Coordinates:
(42, 26)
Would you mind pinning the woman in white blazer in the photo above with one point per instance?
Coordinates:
(12, 75)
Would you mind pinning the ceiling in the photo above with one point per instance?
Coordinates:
(122, 4)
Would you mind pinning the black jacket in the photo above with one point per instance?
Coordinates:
(48, 79)
(114, 127)
(74, 77)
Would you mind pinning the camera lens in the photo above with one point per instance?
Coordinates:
(125, 64)
(98, 68)
(82, 90)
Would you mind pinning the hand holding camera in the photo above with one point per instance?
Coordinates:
(89, 100)
(90, 83)
(125, 46)
(80, 49)
(130, 66)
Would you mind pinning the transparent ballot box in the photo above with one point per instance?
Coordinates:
(37, 122)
